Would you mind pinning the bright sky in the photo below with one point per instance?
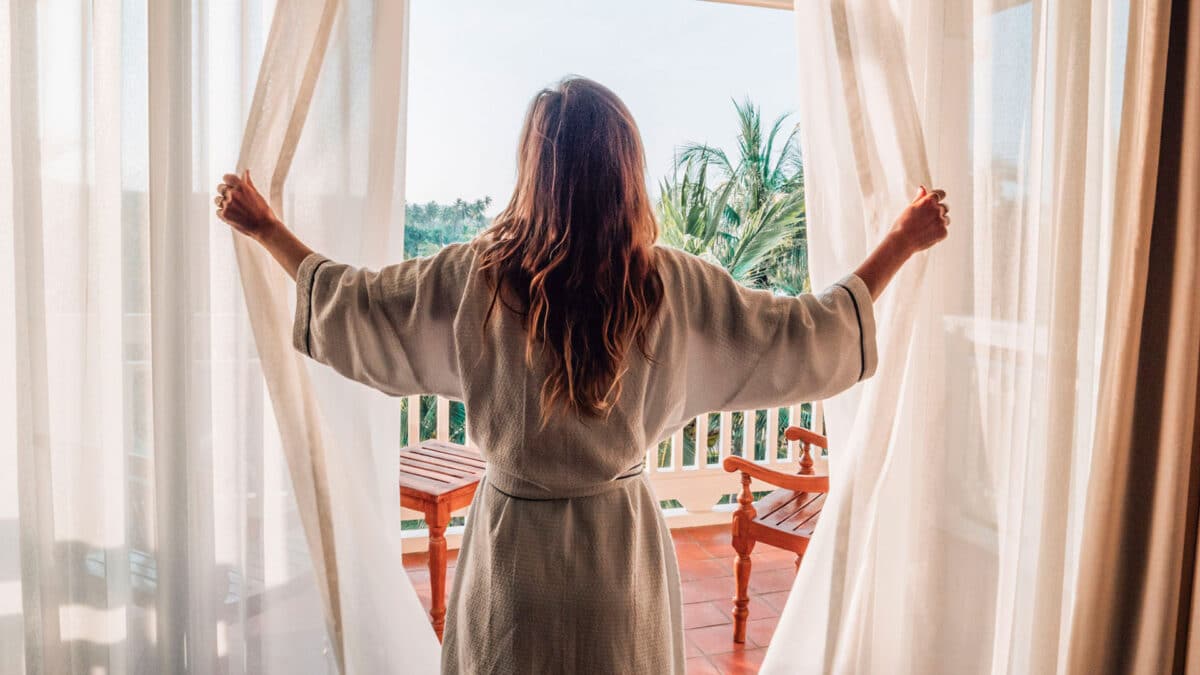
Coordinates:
(475, 65)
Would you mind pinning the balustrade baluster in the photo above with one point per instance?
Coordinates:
(772, 450)
(748, 417)
(725, 438)
(443, 419)
(414, 419)
(677, 451)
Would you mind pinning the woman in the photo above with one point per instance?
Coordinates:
(576, 343)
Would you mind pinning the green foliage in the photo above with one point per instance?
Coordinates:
(745, 214)
(428, 227)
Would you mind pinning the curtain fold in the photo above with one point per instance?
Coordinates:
(185, 625)
(41, 594)
(950, 539)
(1136, 611)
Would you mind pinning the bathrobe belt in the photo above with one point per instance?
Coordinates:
(519, 488)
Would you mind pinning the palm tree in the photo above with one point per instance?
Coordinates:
(751, 219)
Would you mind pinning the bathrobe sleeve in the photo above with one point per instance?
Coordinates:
(750, 349)
(391, 329)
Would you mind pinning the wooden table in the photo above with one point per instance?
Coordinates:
(438, 478)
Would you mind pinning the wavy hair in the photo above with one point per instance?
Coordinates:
(573, 252)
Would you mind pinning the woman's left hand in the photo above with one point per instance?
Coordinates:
(240, 204)
(923, 223)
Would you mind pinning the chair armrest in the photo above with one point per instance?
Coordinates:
(810, 437)
(787, 481)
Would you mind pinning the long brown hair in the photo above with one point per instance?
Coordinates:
(572, 253)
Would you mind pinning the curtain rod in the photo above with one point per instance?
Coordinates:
(769, 4)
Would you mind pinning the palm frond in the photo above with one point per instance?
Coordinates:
(695, 152)
(787, 166)
(767, 174)
(746, 211)
(762, 236)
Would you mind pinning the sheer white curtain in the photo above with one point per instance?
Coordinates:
(345, 198)
(149, 522)
(950, 540)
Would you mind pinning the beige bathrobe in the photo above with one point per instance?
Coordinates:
(566, 564)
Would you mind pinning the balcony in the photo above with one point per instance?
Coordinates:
(686, 475)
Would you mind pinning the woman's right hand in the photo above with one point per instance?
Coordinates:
(924, 222)
(240, 204)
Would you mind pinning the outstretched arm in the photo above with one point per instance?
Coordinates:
(240, 204)
(921, 225)
(750, 349)
(391, 329)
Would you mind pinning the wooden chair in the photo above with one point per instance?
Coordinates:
(438, 478)
(784, 518)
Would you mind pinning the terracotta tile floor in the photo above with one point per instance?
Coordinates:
(706, 569)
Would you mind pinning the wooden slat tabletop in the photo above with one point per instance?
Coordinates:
(437, 467)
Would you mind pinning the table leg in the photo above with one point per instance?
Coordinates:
(437, 523)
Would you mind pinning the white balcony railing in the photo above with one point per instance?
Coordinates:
(685, 470)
